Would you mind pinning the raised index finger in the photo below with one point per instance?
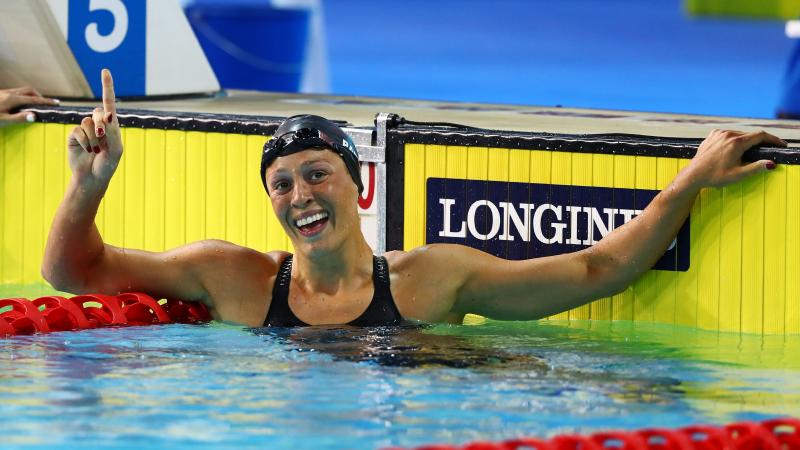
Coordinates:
(109, 100)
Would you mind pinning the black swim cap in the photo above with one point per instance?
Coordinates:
(298, 133)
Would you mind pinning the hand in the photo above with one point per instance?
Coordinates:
(95, 147)
(718, 161)
(12, 98)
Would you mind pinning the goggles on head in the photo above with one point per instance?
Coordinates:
(307, 138)
(301, 139)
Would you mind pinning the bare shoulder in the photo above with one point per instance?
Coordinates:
(237, 279)
(433, 257)
(425, 280)
(215, 254)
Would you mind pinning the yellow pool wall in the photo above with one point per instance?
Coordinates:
(172, 187)
(175, 187)
(745, 253)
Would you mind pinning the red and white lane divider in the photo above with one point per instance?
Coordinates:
(776, 434)
(55, 313)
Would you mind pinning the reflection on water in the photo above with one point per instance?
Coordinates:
(420, 347)
(397, 346)
(343, 387)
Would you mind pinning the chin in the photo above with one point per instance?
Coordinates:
(316, 245)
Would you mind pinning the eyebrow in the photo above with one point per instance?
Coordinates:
(304, 164)
(313, 161)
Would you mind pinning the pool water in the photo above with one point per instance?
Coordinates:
(218, 385)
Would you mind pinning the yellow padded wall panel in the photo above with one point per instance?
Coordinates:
(646, 289)
(154, 196)
(32, 212)
(707, 258)
(3, 207)
(582, 173)
(435, 161)
(753, 255)
(257, 201)
(13, 185)
(721, 290)
(561, 173)
(55, 171)
(730, 258)
(134, 181)
(519, 168)
(235, 189)
(457, 162)
(541, 166)
(624, 178)
(158, 198)
(175, 183)
(414, 194)
(686, 296)
(603, 176)
(175, 187)
(666, 282)
(196, 182)
(792, 244)
(216, 172)
(775, 251)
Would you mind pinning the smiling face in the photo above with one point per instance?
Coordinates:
(314, 198)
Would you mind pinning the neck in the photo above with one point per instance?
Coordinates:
(329, 271)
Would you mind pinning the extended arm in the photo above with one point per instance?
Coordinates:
(536, 288)
(76, 259)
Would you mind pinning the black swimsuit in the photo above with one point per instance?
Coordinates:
(380, 312)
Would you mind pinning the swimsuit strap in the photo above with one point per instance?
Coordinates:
(382, 309)
(279, 314)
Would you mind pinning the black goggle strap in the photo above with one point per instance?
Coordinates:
(305, 138)
(296, 140)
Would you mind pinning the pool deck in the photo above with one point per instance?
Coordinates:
(360, 112)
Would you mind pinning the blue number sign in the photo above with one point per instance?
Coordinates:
(110, 34)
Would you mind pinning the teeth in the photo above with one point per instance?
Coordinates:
(307, 220)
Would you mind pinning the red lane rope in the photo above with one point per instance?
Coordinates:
(55, 313)
(775, 434)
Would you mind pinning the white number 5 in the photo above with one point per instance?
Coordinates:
(106, 43)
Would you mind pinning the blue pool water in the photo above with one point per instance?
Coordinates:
(219, 386)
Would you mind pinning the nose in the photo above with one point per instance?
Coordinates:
(301, 195)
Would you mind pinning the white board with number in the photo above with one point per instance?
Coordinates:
(60, 46)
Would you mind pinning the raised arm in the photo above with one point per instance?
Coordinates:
(536, 288)
(76, 259)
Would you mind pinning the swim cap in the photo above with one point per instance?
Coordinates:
(298, 133)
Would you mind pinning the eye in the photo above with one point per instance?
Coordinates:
(318, 175)
(280, 186)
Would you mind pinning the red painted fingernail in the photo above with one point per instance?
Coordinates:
(770, 165)
(96, 149)
(100, 132)
(110, 117)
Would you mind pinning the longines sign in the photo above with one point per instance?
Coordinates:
(522, 220)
